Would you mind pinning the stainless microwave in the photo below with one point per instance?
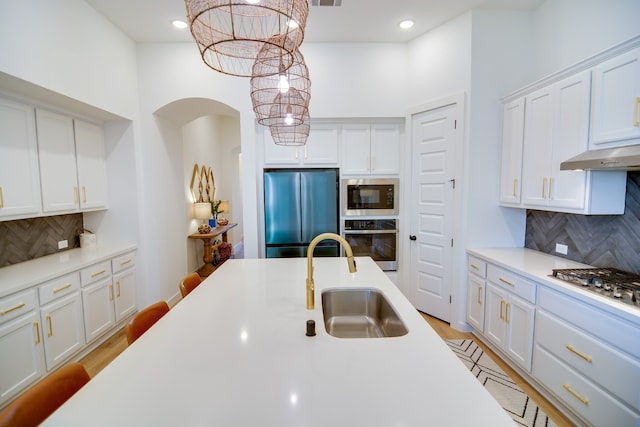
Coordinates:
(370, 196)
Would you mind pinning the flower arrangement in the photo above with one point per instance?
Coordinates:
(215, 208)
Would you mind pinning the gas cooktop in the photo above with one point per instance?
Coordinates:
(609, 282)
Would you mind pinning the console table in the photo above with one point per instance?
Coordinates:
(206, 238)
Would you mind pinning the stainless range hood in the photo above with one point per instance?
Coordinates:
(619, 158)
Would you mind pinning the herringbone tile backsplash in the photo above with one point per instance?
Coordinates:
(598, 240)
(26, 239)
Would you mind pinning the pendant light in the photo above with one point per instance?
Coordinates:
(293, 135)
(229, 33)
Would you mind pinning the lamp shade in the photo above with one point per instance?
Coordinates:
(202, 210)
(224, 206)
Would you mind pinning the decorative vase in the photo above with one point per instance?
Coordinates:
(212, 223)
(204, 229)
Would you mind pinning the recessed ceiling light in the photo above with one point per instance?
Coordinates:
(405, 25)
(179, 24)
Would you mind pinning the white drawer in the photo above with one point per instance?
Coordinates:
(122, 262)
(56, 288)
(598, 407)
(604, 326)
(477, 266)
(95, 272)
(512, 282)
(593, 359)
(16, 305)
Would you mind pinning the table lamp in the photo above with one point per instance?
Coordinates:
(202, 211)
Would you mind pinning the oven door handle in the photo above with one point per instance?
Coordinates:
(370, 231)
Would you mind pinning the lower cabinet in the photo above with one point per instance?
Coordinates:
(99, 316)
(63, 329)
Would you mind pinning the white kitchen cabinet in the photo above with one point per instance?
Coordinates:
(20, 345)
(63, 329)
(511, 160)
(510, 314)
(19, 176)
(321, 148)
(370, 149)
(557, 128)
(72, 163)
(125, 293)
(615, 117)
(99, 314)
(476, 288)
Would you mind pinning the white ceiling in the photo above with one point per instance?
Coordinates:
(354, 21)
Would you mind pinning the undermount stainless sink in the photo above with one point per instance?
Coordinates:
(360, 313)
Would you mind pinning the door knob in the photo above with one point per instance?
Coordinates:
(412, 237)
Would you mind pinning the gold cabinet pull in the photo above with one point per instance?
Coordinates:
(75, 195)
(14, 308)
(84, 194)
(479, 295)
(501, 307)
(1, 199)
(507, 313)
(97, 273)
(551, 181)
(636, 119)
(515, 187)
(118, 289)
(36, 326)
(506, 282)
(544, 187)
(62, 288)
(110, 293)
(576, 352)
(475, 266)
(125, 262)
(584, 400)
(50, 333)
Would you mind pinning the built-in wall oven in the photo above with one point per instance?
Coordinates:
(370, 196)
(377, 238)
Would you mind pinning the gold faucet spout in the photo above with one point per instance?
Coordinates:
(310, 285)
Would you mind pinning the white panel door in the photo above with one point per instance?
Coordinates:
(385, 149)
(511, 161)
(63, 328)
(92, 170)
(433, 151)
(356, 149)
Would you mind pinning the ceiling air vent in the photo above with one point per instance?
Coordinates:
(334, 3)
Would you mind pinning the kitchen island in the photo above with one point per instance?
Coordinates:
(234, 353)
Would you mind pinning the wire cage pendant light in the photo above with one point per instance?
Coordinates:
(293, 135)
(276, 89)
(230, 33)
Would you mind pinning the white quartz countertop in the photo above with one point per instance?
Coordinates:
(234, 353)
(538, 266)
(26, 274)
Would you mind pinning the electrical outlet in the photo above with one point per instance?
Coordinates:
(62, 244)
(562, 249)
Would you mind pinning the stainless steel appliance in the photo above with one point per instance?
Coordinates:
(299, 204)
(608, 282)
(370, 196)
(377, 238)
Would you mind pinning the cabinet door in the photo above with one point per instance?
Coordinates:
(56, 153)
(91, 163)
(356, 144)
(63, 328)
(511, 162)
(125, 293)
(275, 154)
(99, 316)
(19, 177)
(495, 305)
(385, 149)
(519, 320)
(475, 302)
(616, 89)
(22, 355)
(322, 145)
(567, 188)
(536, 156)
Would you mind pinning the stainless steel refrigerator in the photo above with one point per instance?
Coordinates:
(299, 204)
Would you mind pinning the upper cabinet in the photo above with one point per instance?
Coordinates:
(19, 180)
(615, 117)
(72, 164)
(511, 162)
(321, 148)
(371, 149)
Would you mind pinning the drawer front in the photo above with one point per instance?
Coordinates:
(592, 358)
(95, 272)
(123, 262)
(604, 326)
(59, 287)
(16, 305)
(477, 266)
(586, 399)
(512, 282)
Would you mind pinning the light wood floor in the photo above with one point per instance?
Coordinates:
(95, 361)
